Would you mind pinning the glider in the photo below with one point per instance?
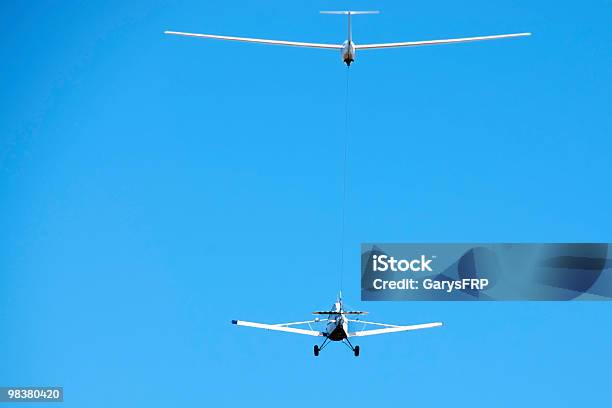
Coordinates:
(348, 48)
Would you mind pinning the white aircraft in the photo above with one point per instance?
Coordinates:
(336, 327)
(348, 48)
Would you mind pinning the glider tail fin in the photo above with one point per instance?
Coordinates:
(349, 13)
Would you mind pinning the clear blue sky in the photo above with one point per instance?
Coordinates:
(154, 188)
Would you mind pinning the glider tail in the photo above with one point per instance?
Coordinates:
(349, 13)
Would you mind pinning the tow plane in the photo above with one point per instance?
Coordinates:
(338, 325)
(348, 48)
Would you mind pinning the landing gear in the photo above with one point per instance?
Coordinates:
(317, 349)
(355, 349)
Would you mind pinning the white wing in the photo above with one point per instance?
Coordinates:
(279, 327)
(394, 329)
(258, 40)
(373, 323)
(433, 42)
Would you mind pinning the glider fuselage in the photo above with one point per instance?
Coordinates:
(348, 52)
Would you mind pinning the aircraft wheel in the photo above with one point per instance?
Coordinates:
(356, 351)
(316, 350)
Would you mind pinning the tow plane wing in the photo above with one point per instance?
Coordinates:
(392, 329)
(283, 327)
